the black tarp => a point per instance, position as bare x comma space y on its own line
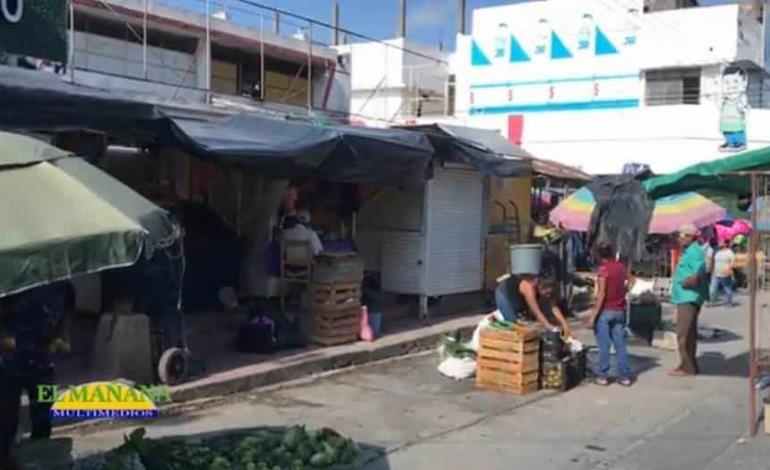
31, 100
291, 149
621, 215
484, 149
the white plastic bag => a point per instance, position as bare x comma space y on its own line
457, 368
484, 323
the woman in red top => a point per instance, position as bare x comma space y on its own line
609, 316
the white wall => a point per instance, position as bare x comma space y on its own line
666, 137
113, 56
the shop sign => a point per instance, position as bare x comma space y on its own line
34, 28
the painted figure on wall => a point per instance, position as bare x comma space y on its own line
733, 110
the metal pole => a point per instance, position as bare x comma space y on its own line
753, 309
261, 57
336, 23
461, 8
277, 24
310, 66
208, 51
71, 64
144, 41
401, 30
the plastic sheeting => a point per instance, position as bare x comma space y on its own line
486, 150
622, 215
33, 100
291, 149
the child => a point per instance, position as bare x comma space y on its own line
722, 278
609, 316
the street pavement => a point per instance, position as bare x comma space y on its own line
423, 420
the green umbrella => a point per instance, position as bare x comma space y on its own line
53, 225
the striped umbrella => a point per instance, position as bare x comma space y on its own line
574, 212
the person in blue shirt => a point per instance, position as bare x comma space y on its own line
688, 292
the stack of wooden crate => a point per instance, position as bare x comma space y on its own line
336, 310
509, 360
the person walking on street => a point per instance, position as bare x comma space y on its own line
608, 317
688, 292
722, 278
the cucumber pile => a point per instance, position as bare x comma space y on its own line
293, 449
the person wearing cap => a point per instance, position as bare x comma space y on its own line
688, 292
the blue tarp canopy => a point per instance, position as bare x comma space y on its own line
291, 149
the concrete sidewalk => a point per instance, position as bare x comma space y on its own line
243, 372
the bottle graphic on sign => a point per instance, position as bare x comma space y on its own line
502, 42
632, 29
543, 37
586, 33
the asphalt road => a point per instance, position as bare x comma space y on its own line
423, 420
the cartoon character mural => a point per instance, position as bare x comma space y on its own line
733, 110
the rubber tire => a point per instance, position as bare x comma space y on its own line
173, 366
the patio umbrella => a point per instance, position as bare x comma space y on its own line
574, 212
53, 225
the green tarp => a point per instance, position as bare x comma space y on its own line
717, 175
61, 217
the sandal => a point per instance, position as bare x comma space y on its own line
602, 382
625, 382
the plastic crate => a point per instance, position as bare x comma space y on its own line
569, 372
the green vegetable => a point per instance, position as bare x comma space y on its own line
220, 463
320, 460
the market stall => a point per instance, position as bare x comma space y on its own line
429, 240
744, 174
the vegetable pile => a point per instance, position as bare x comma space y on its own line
293, 449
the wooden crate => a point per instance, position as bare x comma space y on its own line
335, 326
331, 296
508, 361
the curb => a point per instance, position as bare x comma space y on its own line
311, 363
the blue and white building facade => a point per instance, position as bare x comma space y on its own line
600, 83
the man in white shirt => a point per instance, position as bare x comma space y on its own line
298, 229
722, 275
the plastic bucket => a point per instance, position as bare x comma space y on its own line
525, 259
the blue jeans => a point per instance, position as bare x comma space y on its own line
721, 283
504, 304
611, 328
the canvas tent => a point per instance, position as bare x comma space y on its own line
61, 217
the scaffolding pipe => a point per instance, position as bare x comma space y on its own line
71, 64
208, 51
309, 66
261, 57
144, 41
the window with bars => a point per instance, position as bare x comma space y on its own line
672, 86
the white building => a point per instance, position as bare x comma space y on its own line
395, 81
600, 83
